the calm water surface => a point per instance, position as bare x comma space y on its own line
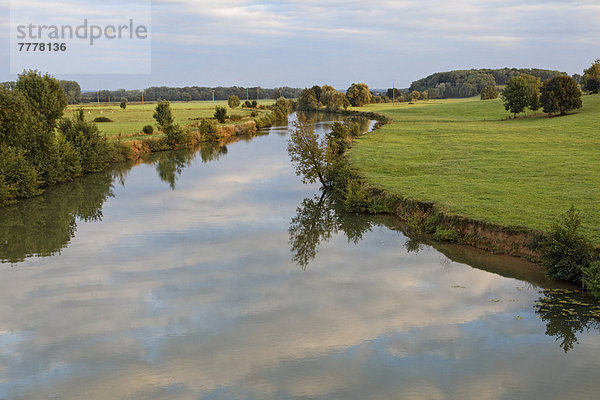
218, 275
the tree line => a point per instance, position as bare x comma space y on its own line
469, 83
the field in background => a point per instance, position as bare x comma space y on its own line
468, 159
133, 118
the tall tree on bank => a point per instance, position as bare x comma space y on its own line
561, 95
358, 94
591, 77
308, 101
308, 153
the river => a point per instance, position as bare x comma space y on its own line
217, 274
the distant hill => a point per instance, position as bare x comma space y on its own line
468, 83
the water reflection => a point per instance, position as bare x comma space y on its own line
190, 293
567, 312
315, 221
44, 225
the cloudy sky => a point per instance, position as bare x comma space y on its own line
305, 42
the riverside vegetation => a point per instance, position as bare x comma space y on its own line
460, 171
39, 147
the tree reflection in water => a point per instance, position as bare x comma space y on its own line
566, 313
316, 220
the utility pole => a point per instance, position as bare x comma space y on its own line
213, 97
247, 98
393, 92
98, 98
256, 94
142, 100
109, 101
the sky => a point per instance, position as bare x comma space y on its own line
300, 43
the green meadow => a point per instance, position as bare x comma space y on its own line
131, 120
469, 159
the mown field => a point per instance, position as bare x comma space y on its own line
131, 120
465, 156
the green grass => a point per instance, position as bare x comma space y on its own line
463, 156
133, 118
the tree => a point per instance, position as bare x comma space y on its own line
307, 152
123, 104
233, 101
489, 93
534, 85
358, 94
317, 91
333, 99
72, 91
308, 101
163, 115
220, 114
45, 96
516, 95
593, 72
592, 85
415, 95
561, 94
186, 97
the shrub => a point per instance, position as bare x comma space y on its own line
220, 114
94, 150
565, 251
102, 119
247, 104
148, 129
233, 101
356, 197
176, 136
208, 130
254, 114
18, 178
163, 115
591, 278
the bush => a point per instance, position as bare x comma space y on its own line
233, 101
220, 114
176, 136
254, 114
95, 152
565, 251
148, 129
208, 130
102, 119
591, 278
356, 197
18, 178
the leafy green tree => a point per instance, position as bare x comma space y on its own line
307, 152
45, 96
308, 101
561, 94
281, 109
592, 85
220, 114
186, 97
415, 95
333, 99
317, 91
148, 129
123, 104
534, 85
163, 115
593, 72
489, 93
233, 101
72, 91
516, 95
358, 94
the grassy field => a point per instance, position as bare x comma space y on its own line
468, 159
133, 118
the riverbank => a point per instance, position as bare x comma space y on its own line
486, 181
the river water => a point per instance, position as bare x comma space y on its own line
217, 274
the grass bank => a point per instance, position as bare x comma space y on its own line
465, 157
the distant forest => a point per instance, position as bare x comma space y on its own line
191, 93
468, 83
